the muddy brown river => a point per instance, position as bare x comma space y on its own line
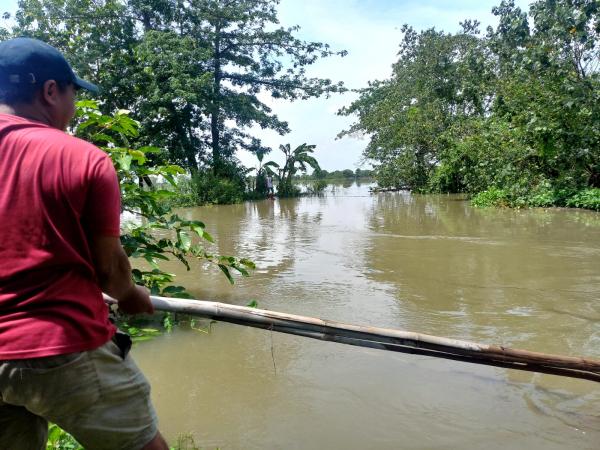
433, 264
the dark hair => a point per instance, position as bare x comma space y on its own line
24, 93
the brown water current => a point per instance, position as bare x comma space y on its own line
432, 264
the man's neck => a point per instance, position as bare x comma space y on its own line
29, 112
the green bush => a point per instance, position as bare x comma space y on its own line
588, 198
186, 195
490, 197
288, 190
209, 188
317, 187
544, 198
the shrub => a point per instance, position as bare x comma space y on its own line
490, 197
588, 198
288, 190
317, 187
210, 188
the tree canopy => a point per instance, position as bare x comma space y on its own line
189, 72
515, 109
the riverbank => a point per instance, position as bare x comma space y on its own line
546, 198
584, 199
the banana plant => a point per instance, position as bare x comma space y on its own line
298, 159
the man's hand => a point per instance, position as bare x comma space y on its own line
137, 301
114, 276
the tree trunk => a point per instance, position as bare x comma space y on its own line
215, 113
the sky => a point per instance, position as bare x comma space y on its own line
370, 31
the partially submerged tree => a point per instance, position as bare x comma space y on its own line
298, 159
515, 110
438, 78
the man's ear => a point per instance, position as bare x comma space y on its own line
50, 92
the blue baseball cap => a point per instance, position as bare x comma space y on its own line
30, 61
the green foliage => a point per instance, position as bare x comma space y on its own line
156, 234
288, 190
438, 77
588, 198
209, 188
139, 333
515, 111
490, 197
479, 154
317, 187
298, 159
542, 196
58, 439
190, 72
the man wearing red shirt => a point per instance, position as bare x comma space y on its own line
59, 250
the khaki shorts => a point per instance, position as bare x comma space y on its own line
98, 396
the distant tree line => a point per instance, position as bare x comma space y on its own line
512, 115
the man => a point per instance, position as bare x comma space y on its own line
59, 249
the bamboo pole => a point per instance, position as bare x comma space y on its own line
385, 338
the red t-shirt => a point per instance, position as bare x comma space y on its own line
55, 192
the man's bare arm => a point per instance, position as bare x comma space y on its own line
114, 275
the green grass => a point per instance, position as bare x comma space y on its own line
58, 439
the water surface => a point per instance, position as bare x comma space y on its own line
431, 264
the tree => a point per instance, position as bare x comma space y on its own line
299, 158
515, 111
172, 95
438, 79
190, 72
247, 53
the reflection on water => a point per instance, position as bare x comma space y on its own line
432, 264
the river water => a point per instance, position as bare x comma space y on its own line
522, 278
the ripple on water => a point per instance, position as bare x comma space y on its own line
527, 279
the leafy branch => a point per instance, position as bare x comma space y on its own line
155, 234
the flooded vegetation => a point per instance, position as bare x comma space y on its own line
432, 264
